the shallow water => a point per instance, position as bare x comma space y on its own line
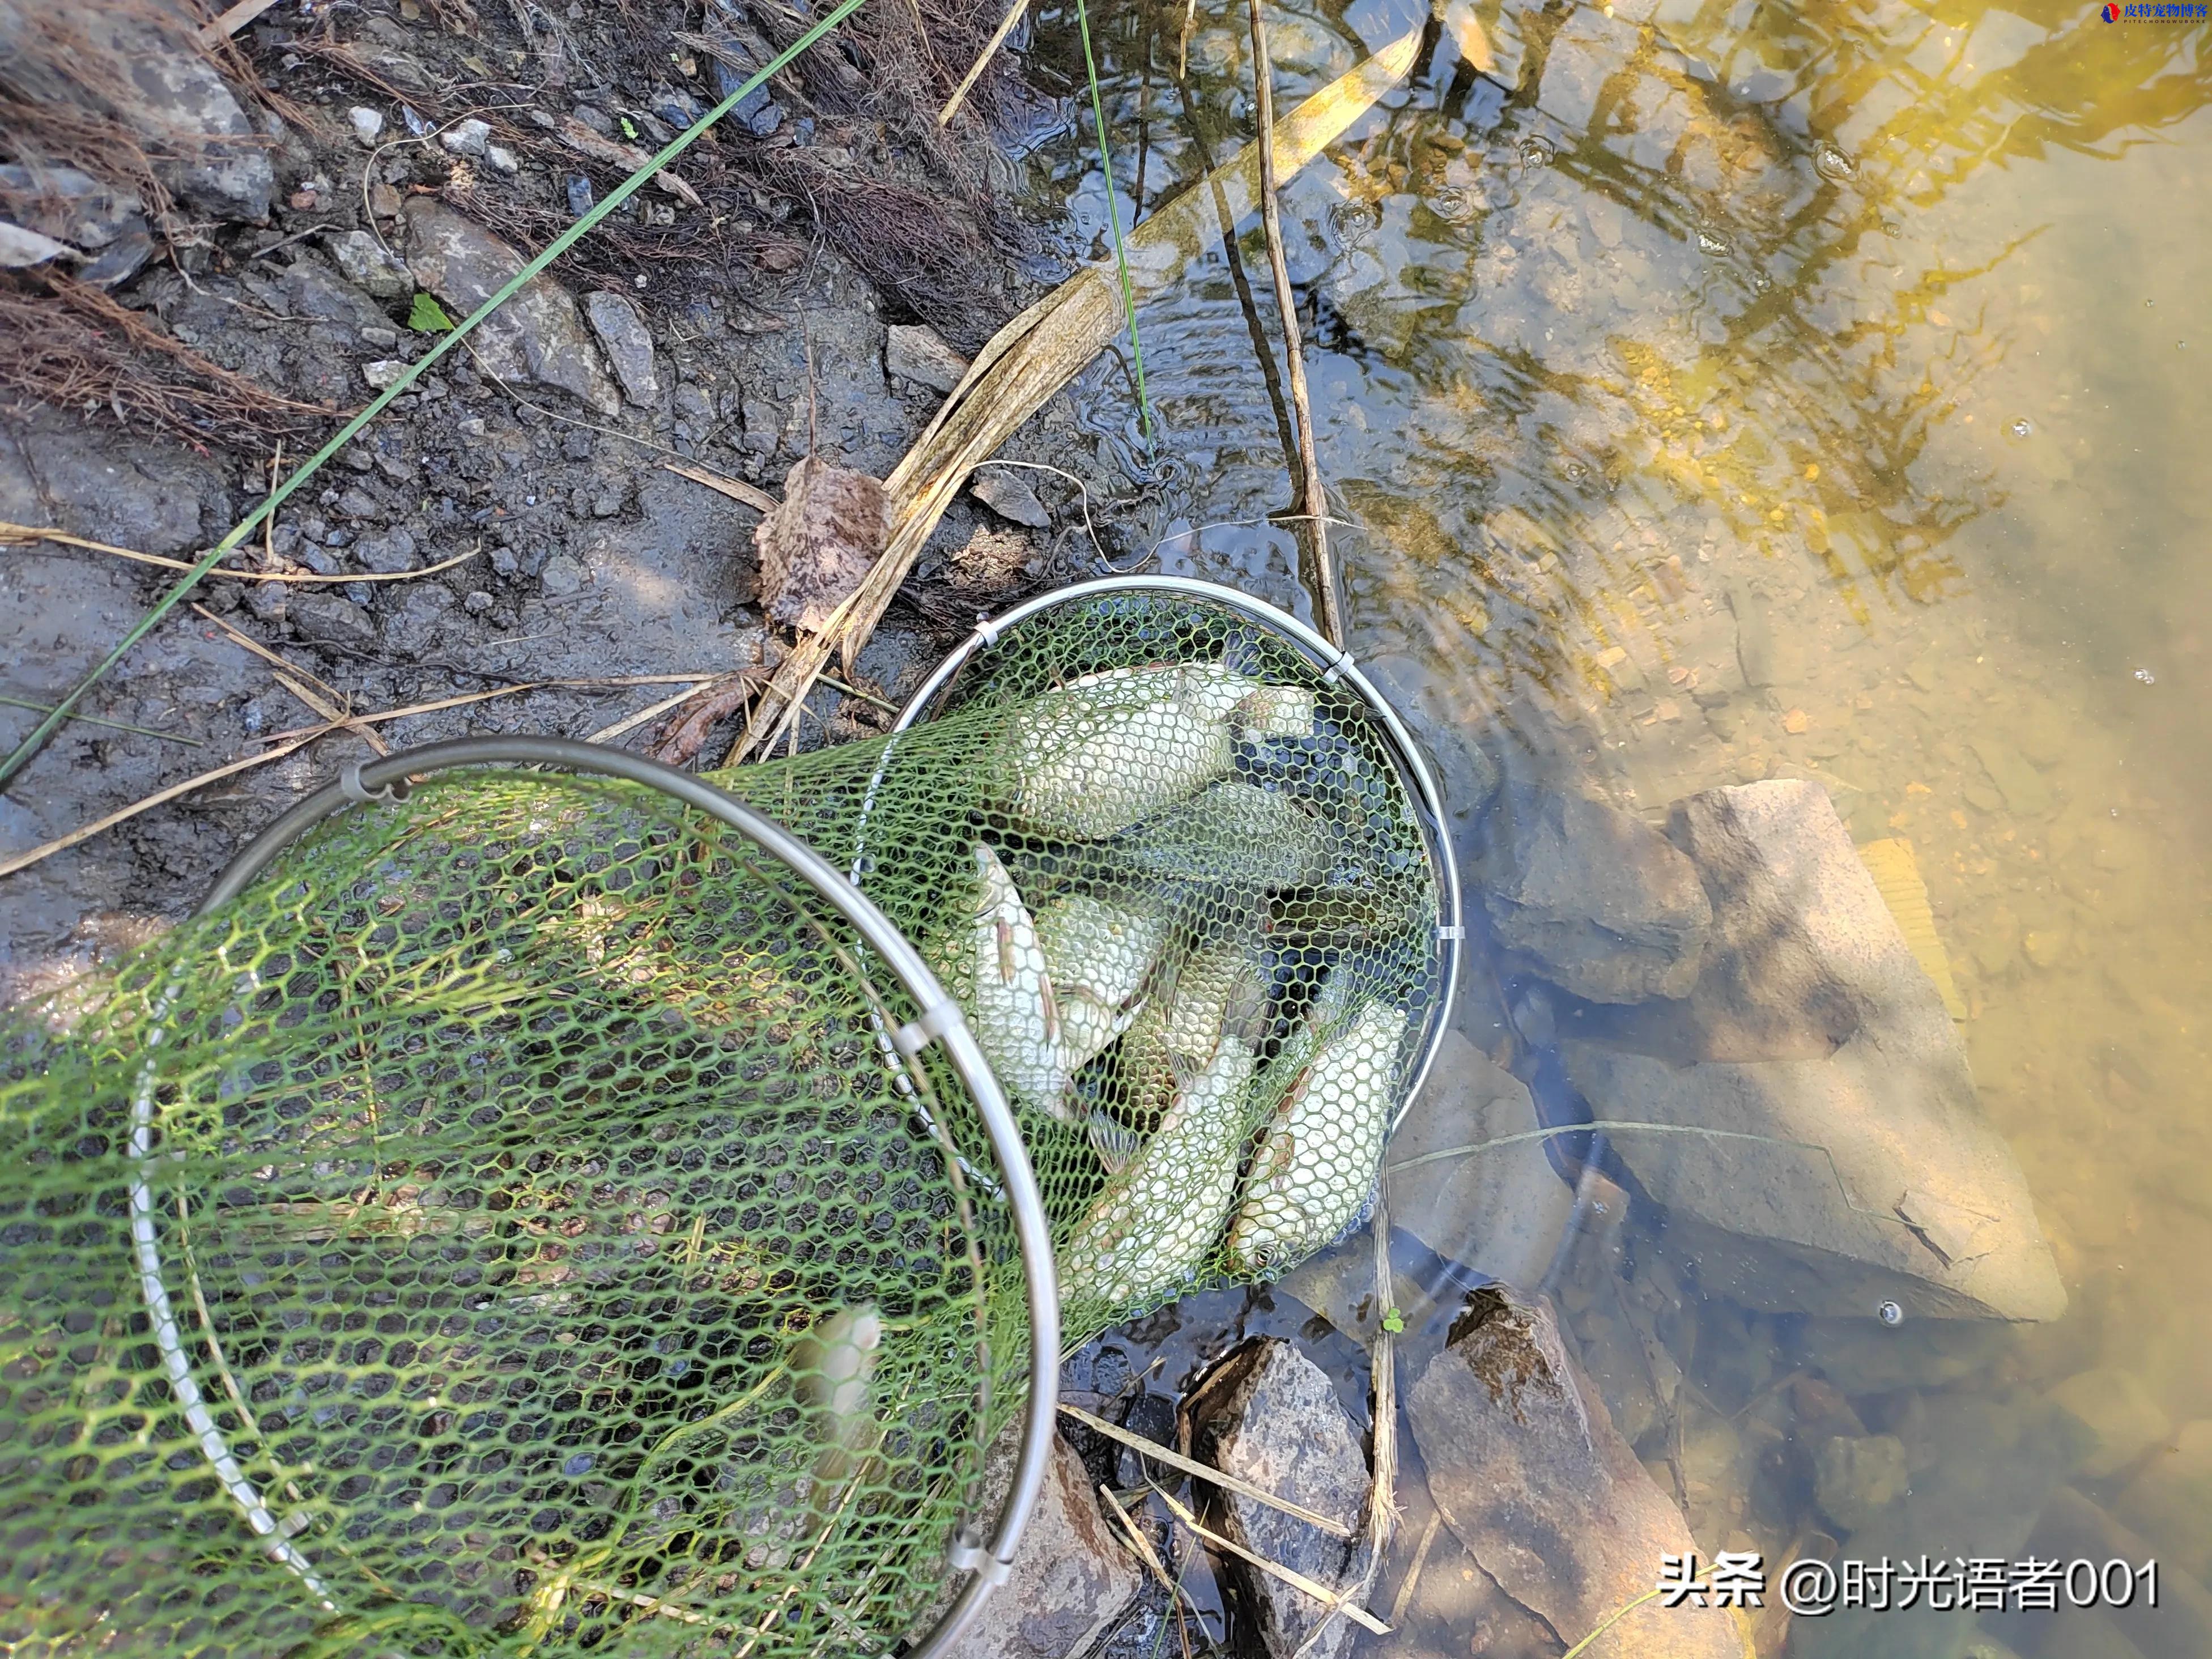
1883, 323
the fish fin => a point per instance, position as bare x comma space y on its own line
1051, 1007
1005, 932
1115, 1142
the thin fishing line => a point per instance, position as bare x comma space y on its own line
31, 745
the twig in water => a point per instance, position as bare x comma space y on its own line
1177, 1595
1616, 1126
1114, 219
1297, 1581
1612, 1618
982, 61
1312, 501
24, 532
1160, 1454
1405, 1597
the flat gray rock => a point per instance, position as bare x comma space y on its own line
362, 261
205, 148
1602, 902
1813, 1026
93, 480
629, 347
1269, 1416
1499, 1211
913, 351
535, 336
1006, 494
1531, 1475
1071, 1576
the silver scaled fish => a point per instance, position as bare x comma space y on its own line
1315, 1170
1095, 756
1149, 1232
999, 974
1097, 955
833, 1371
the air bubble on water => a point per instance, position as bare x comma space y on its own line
2146, 677
1829, 161
1536, 152
1891, 228
1762, 281
2021, 429
1890, 1314
1710, 244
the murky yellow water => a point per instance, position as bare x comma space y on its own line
1885, 323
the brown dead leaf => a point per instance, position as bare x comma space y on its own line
615, 154
820, 542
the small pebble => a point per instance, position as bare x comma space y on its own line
1796, 721
477, 602
384, 373
367, 124
467, 137
502, 158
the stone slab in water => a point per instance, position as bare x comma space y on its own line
1533, 1478
1604, 905
1811, 1026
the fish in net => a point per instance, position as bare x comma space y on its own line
508, 1224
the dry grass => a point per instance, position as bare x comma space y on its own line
74, 347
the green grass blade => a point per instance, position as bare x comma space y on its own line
560, 245
1114, 218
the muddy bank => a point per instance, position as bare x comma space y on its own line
344, 185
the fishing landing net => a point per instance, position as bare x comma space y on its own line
1185, 870
551, 1211
523, 1217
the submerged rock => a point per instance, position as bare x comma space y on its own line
535, 336
1498, 1212
1269, 1416
2122, 1421
2170, 1497
1605, 905
1071, 1578
1982, 1467
1533, 1478
1811, 1026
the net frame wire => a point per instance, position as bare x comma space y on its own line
1338, 666
386, 779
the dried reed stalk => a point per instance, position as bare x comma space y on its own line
1037, 354
1313, 501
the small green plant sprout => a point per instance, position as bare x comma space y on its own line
427, 316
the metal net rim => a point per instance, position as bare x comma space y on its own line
386, 779
1338, 666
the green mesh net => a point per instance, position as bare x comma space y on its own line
1184, 879
506, 1226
